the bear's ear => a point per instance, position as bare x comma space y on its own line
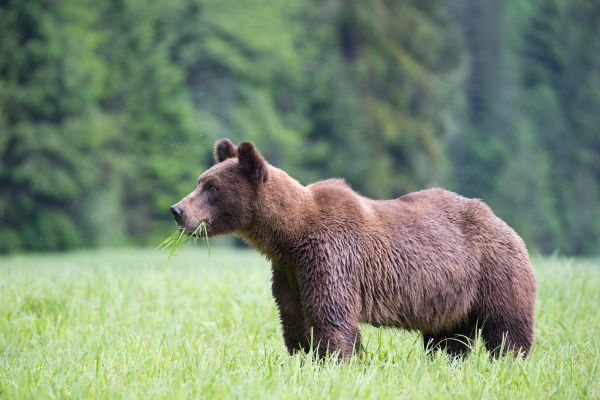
252, 162
224, 149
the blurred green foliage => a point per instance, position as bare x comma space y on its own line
108, 110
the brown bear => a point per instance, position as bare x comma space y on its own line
431, 261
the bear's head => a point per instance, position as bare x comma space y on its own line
225, 194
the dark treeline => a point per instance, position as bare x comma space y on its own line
109, 109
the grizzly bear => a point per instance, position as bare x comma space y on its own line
431, 261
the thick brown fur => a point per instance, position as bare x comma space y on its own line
431, 261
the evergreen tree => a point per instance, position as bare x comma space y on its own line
49, 86
156, 144
380, 82
486, 136
579, 94
240, 63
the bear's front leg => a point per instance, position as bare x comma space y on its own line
332, 308
293, 322
343, 340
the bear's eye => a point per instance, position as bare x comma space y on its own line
210, 188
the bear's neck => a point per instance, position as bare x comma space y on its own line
280, 214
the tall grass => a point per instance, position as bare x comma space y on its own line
115, 324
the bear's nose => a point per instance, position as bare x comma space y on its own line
177, 212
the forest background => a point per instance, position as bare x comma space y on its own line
109, 109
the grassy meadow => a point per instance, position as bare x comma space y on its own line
121, 324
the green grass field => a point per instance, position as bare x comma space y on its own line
120, 324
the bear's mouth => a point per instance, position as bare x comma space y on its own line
198, 231
186, 230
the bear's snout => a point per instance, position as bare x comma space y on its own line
177, 212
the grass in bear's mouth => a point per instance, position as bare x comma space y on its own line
179, 239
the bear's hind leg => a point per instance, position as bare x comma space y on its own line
507, 305
502, 334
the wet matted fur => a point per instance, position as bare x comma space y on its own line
431, 261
